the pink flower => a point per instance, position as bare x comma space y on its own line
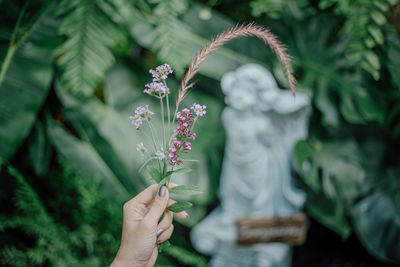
200, 110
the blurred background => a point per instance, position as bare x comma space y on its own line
72, 72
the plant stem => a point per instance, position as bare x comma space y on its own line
154, 142
6, 62
14, 44
168, 114
163, 123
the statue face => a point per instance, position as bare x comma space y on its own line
240, 98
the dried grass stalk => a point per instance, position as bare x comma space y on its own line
232, 33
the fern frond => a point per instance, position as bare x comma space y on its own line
26, 199
166, 44
10, 256
86, 53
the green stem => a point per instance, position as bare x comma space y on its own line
154, 142
169, 115
14, 44
169, 178
164, 145
6, 62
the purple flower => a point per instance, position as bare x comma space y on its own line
156, 88
141, 112
200, 110
160, 154
144, 112
141, 148
161, 73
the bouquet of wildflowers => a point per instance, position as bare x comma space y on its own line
167, 152
178, 133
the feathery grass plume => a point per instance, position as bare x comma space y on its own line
232, 33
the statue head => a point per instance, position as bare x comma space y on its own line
252, 86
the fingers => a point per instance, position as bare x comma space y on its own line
165, 235
182, 214
146, 196
165, 222
158, 207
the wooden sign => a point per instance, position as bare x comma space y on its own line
289, 230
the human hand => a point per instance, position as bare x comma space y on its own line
141, 231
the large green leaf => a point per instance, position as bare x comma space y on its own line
39, 149
84, 158
333, 177
25, 86
376, 220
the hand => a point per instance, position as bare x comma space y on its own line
141, 231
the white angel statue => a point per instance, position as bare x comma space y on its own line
262, 125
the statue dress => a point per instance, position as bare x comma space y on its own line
262, 125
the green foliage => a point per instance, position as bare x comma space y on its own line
274, 8
56, 239
333, 175
185, 189
25, 85
86, 53
180, 206
166, 13
345, 54
365, 22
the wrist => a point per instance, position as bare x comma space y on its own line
123, 259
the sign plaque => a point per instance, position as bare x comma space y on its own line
290, 230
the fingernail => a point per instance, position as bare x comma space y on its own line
159, 232
185, 214
158, 241
162, 191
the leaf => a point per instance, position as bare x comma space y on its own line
180, 206
163, 181
39, 150
379, 231
189, 35
84, 158
154, 173
86, 54
25, 87
333, 178
185, 190
181, 170
164, 245
109, 134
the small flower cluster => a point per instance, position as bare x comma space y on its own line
160, 154
141, 148
183, 134
161, 73
200, 110
185, 122
141, 113
156, 89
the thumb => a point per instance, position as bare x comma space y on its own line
158, 207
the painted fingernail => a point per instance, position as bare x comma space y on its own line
159, 232
162, 191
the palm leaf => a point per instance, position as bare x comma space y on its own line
86, 54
